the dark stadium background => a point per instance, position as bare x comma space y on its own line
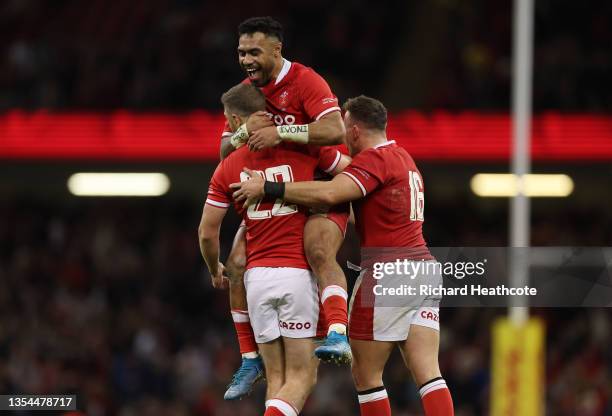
109, 298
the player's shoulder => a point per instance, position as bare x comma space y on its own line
397, 156
236, 158
298, 67
379, 155
304, 74
388, 147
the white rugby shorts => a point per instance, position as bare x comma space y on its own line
283, 301
382, 318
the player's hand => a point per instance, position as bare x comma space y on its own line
219, 280
258, 120
263, 138
250, 191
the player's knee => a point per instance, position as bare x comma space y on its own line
319, 256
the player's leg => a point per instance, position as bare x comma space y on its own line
420, 352
274, 360
300, 378
369, 359
234, 267
323, 238
251, 368
298, 314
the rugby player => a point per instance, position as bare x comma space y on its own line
282, 293
300, 108
387, 193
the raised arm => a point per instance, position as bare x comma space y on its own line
231, 141
328, 130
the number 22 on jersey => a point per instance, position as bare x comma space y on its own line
281, 173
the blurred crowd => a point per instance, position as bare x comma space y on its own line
180, 54
167, 54
572, 65
110, 300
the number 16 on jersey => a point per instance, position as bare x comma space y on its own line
417, 198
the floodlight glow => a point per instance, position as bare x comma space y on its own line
118, 184
531, 185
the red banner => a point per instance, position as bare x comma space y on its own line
121, 135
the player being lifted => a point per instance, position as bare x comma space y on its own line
387, 193
282, 293
304, 111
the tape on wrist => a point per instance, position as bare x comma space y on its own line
297, 133
240, 136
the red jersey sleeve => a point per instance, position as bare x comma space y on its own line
218, 189
317, 98
367, 170
328, 159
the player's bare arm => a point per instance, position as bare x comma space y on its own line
342, 164
208, 233
313, 193
327, 131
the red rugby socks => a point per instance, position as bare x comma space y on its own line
374, 402
246, 338
334, 299
279, 407
436, 398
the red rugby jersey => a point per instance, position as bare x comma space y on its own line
275, 229
298, 95
391, 212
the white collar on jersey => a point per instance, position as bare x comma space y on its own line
284, 71
388, 142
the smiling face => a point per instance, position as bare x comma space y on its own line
259, 56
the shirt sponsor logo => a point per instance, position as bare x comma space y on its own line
279, 120
329, 100
431, 316
295, 325
294, 129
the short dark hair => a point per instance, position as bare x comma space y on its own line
244, 99
264, 24
369, 111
